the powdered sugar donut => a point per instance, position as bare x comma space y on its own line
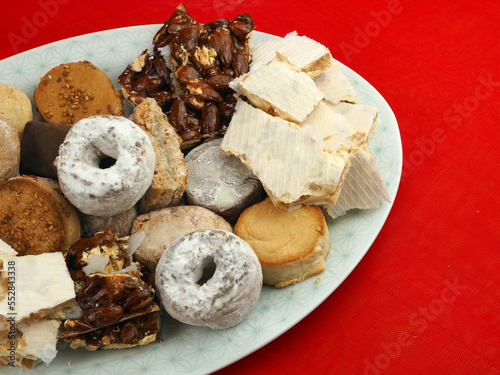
105, 165
227, 297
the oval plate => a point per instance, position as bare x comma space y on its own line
195, 350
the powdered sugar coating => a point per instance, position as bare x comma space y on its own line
10, 151
227, 297
220, 182
105, 191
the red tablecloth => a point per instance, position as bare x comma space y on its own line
425, 299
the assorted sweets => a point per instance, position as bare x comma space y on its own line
134, 216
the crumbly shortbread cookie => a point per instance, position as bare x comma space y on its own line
291, 246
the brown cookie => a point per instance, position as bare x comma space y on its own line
35, 217
70, 92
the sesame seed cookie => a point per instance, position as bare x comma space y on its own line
70, 92
35, 217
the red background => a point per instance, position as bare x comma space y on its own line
396, 313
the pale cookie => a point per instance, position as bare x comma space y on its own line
291, 245
162, 227
15, 107
220, 182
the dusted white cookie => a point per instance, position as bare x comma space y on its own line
227, 297
105, 191
220, 182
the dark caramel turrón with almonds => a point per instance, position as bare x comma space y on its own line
105, 244
189, 71
108, 299
118, 307
137, 331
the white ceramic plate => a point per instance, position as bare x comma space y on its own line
194, 350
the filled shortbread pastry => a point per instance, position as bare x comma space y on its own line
291, 246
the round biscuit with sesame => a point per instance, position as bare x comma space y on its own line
72, 91
35, 217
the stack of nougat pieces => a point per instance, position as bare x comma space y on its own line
299, 128
36, 293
